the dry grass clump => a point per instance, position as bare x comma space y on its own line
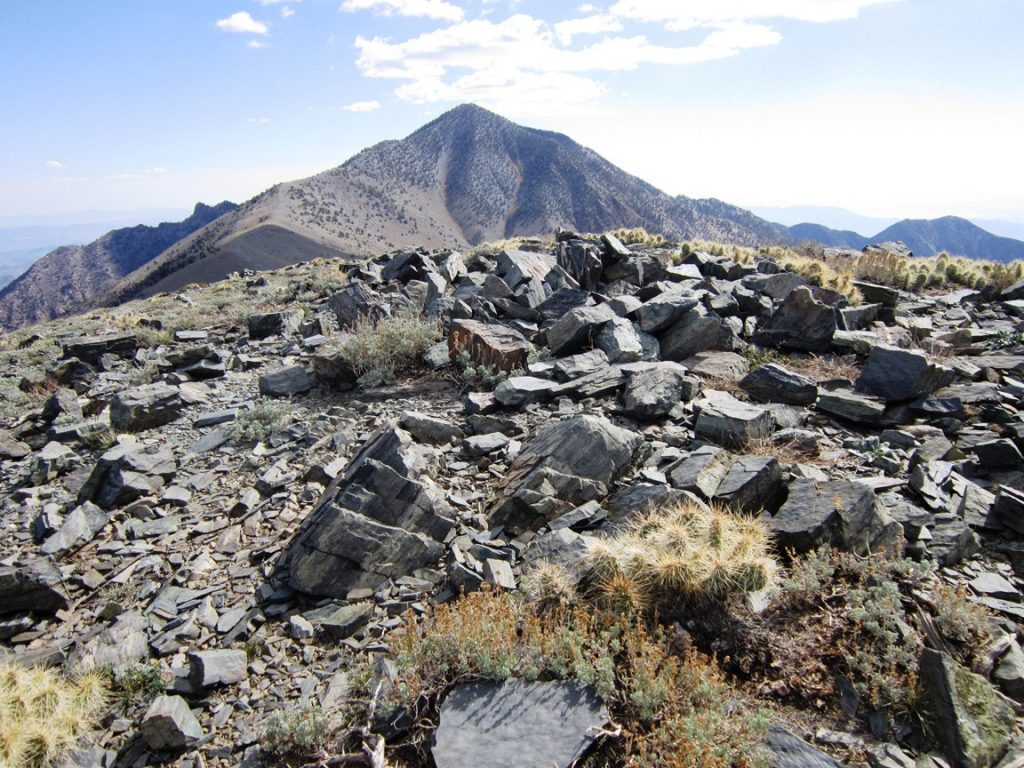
819, 368
639, 236
832, 273
43, 715
687, 552
379, 349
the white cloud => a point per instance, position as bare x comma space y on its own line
53, 165
363, 106
519, 61
258, 120
588, 8
243, 22
709, 13
431, 9
287, 11
588, 25
257, 44
276, 2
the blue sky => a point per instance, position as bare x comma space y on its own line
886, 107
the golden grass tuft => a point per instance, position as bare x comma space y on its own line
43, 714
687, 552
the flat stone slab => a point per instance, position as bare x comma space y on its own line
517, 724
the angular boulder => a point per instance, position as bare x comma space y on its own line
33, 586
287, 381
263, 325
169, 724
973, 725
895, 374
561, 466
90, 349
126, 472
837, 513
730, 422
653, 392
772, 383
695, 331
492, 344
800, 323
145, 407
381, 518
578, 329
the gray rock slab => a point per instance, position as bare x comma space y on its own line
578, 328
895, 374
517, 724
145, 407
970, 721
219, 667
33, 586
169, 724
730, 422
653, 392
789, 751
851, 406
801, 323
287, 381
773, 383
839, 513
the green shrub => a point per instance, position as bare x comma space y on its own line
138, 684
380, 349
294, 732
262, 419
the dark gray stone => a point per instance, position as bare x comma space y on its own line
838, 513
801, 323
33, 586
578, 329
219, 667
772, 383
126, 472
663, 310
730, 422
851, 406
575, 366
619, 341
695, 331
517, 723
653, 392
752, 484
79, 527
576, 459
262, 325
341, 621
789, 751
895, 374
430, 429
382, 518
522, 390
169, 724
145, 407
973, 725
90, 349
285, 382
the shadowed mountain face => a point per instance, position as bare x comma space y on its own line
925, 237
468, 177
70, 277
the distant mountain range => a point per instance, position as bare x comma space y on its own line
925, 237
70, 277
468, 177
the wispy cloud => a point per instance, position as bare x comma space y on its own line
525, 60
243, 22
362, 106
702, 13
287, 12
53, 165
257, 44
520, 61
441, 10
588, 25
258, 120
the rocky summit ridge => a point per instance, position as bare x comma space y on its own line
150, 523
468, 177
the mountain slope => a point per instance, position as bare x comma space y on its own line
69, 277
925, 237
467, 177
